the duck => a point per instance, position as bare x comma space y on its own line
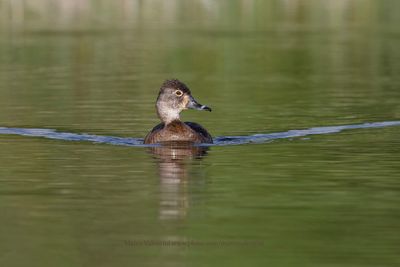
173, 98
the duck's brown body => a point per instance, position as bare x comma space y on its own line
178, 131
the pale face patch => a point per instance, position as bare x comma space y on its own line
185, 101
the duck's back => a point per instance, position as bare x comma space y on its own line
178, 131
200, 130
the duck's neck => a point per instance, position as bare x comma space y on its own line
168, 115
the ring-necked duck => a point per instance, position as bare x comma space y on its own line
174, 97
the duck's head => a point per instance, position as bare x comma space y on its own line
174, 97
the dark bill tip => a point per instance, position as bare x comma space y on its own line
205, 108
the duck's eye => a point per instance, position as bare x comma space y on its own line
178, 92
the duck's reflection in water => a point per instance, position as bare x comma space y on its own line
175, 161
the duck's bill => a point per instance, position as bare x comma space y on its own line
193, 104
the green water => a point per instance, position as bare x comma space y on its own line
262, 66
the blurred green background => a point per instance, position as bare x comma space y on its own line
263, 66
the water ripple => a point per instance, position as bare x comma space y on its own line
218, 141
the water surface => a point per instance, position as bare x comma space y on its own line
310, 91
